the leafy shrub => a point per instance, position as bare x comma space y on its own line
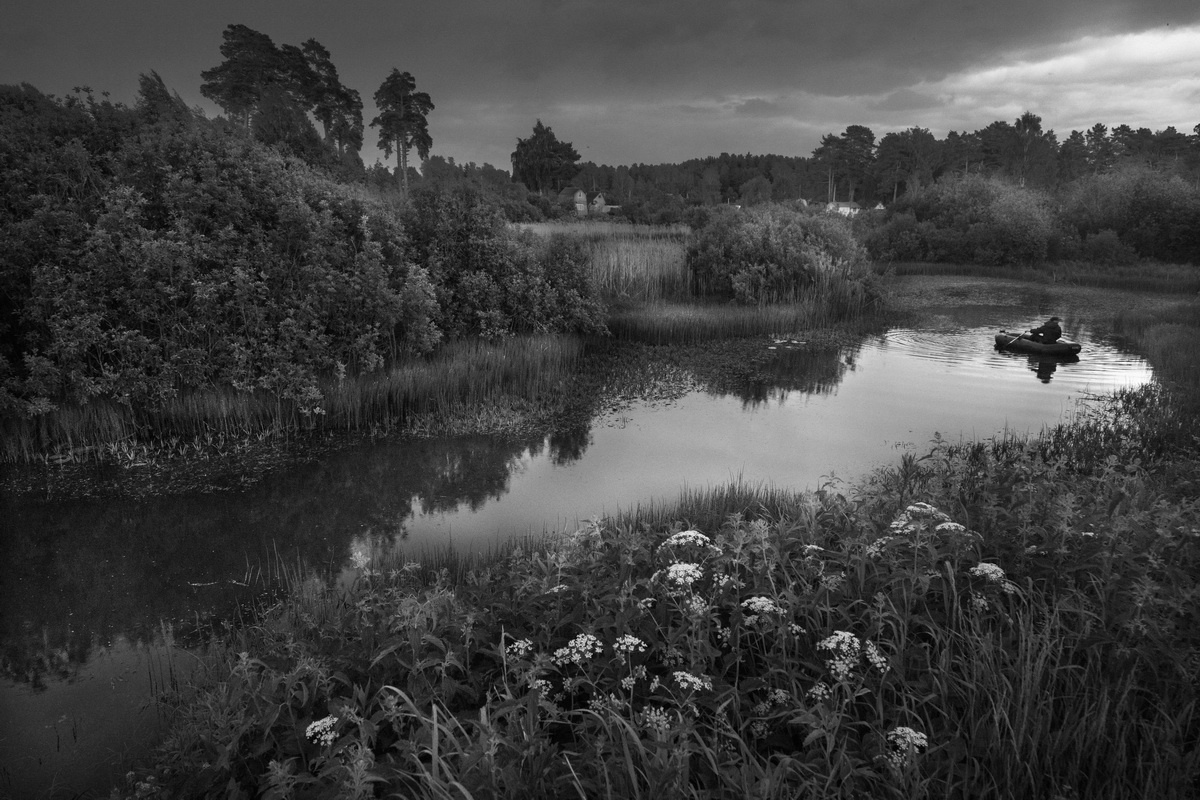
492, 281
1106, 247
967, 219
770, 254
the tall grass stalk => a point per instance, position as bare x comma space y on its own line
461, 374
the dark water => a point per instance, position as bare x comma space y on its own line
91, 589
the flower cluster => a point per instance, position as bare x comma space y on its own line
875, 548
990, 572
877, 659
905, 743
322, 731
689, 681
656, 720
832, 581
845, 650
629, 644
761, 605
819, 691
519, 648
693, 538
683, 574
916, 516
578, 650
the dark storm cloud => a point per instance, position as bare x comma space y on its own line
628, 79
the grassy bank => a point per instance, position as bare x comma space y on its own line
1149, 277
471, 374
1010, 619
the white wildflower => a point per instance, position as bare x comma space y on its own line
950, 527
690, 538
978, 602
845, 651
877, 659
832, 581
759, 729
812, 549
322, 731
629, 644
689, 681
683, 574
519, 648
656, 720
762, 605
580, 649
796, 629
905, 744
819, 692
993, 573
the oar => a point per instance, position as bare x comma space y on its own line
1013, 339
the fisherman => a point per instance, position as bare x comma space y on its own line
1048, 333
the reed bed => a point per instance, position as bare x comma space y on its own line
667, 323
469, 373
605, 229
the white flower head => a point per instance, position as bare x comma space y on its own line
580, 649
629, 644
322, 731
519, 648
689, 681
992, 573
845, 651
692, 539
683, 574
761, 605
905, 743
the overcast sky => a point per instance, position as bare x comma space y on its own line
656, 81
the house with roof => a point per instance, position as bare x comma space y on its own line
584, 203
846, 209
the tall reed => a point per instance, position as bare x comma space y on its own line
465, 373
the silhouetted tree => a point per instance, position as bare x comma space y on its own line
543, 162
402, 120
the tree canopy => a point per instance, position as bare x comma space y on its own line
402, 120
542, 162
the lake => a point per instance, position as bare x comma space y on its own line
93, 589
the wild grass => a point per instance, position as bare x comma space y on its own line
995, 620
667, 322
1144, 276
465, 374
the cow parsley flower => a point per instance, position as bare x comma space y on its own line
762, 605
683, 574
905, 743
578, 650
656, 720
819, 692
690, 538
689, 681
845, 650
993, 573
629, 644
322, 731
519, 648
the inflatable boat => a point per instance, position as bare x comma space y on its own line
1021, 342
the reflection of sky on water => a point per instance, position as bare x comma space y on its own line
898, 390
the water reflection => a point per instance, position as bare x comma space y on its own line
1045, 366
795, 368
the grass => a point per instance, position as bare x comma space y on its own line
1028, 620
1149, 276
470, 374
1013, 618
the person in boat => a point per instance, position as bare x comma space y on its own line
1048, 333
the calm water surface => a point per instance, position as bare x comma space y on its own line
87, 585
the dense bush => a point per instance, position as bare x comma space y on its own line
773, 253
148, 252
491, 280
971, 219
1156, 215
